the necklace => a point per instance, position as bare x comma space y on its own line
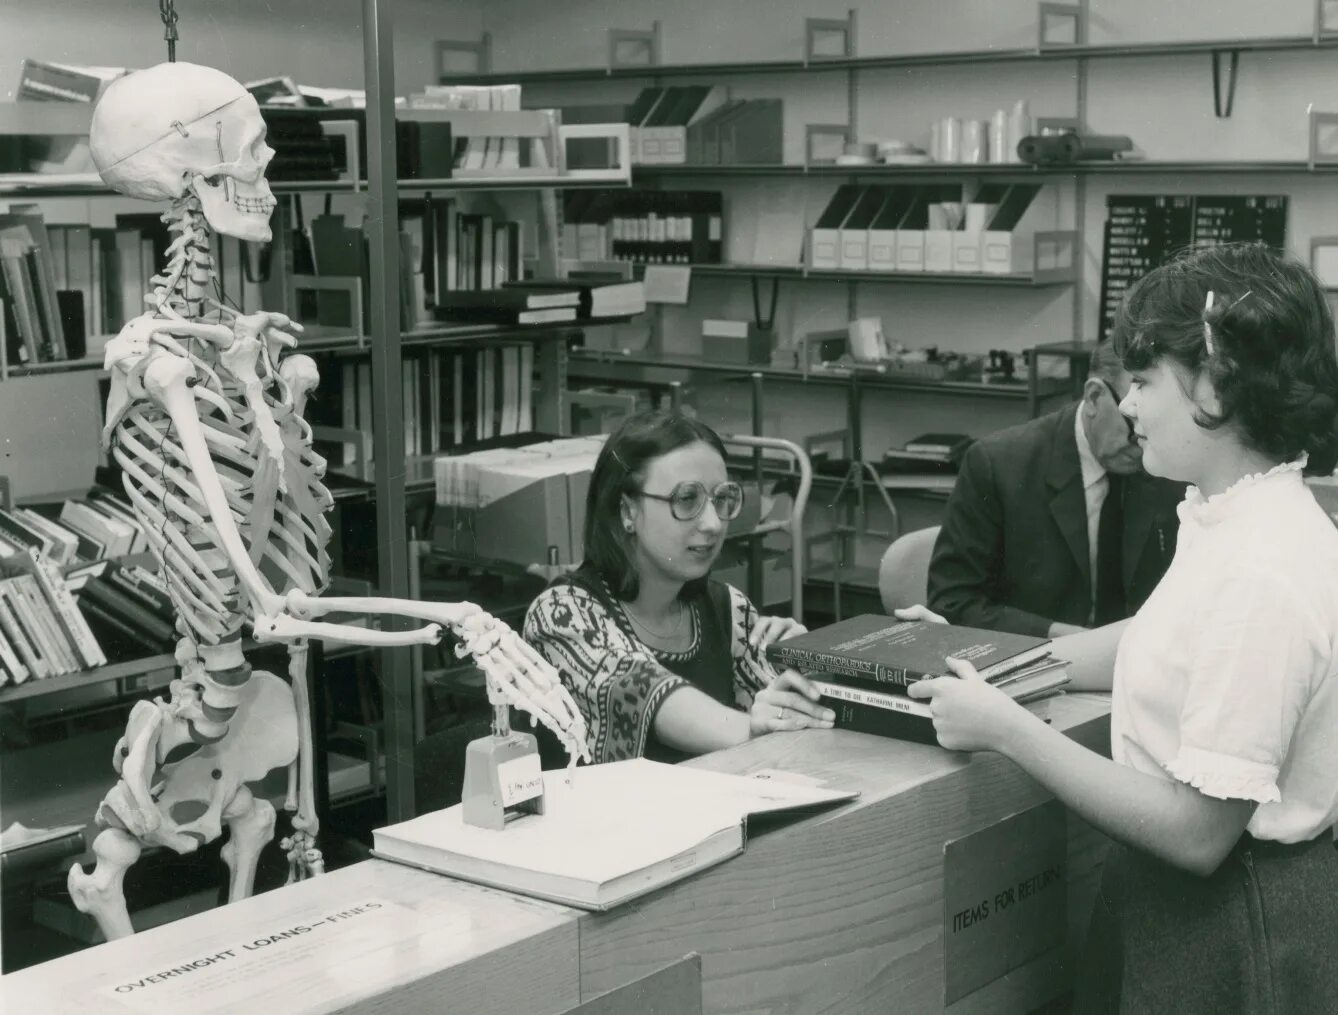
662, 635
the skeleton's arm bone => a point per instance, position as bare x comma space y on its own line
281, 627
447, 614
165, 379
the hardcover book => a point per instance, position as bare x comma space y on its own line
884, 650
614, 832
887, 714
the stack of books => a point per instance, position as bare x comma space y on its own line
864, 665
507, 306
931, 452
127, 604
594, 299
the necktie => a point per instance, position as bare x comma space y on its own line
1109, 539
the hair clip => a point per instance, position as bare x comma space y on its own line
619, 459
1208, 328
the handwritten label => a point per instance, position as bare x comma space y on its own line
1005, 897
521, 779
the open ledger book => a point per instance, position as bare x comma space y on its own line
618, 831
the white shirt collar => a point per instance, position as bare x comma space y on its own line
1211, 510
1092, 470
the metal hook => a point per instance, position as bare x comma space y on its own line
1224, 111
167, 10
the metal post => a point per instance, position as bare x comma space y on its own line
756, 563
388, 432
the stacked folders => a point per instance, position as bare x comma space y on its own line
522, 505
864, 665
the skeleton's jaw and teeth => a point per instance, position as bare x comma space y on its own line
235, 206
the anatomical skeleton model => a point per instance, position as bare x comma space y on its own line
205, 420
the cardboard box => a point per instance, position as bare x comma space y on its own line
521, 505
967, 245
664, 136
855, 230
824, 245
741, 342
883, 230
1008, 244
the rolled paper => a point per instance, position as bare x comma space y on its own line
1000, 150
950, 140
1019, 125
975, 141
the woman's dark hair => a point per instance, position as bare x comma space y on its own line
621, 469
1266, 343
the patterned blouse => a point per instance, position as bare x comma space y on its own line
619, 682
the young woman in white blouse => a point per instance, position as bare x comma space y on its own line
1221, 894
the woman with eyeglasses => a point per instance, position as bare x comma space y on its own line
663, 661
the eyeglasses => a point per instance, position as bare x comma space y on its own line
688, 500
1117, 399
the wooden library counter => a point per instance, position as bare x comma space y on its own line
953, 882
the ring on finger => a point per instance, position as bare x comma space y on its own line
782, 712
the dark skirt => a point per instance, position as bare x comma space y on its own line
1258, 936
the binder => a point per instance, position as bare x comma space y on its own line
707, 126
755, 135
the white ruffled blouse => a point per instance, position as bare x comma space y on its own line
1227, 678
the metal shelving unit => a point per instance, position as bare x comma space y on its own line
800, 273
957, 170
662, 371
1314, 42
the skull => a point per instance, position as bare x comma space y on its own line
179, 127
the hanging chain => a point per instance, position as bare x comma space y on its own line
167, 10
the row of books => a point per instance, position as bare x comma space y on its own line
863, 667
62, 285
648, 227
926, 227
701, 125
543, 301
42, 632
450, 397
499, 154
83, 589
100, 526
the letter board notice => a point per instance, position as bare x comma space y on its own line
1005, 897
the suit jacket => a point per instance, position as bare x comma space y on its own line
1012, 554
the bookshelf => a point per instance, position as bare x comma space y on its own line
1169, 110
385, 342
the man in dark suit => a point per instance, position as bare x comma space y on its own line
1053, 526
